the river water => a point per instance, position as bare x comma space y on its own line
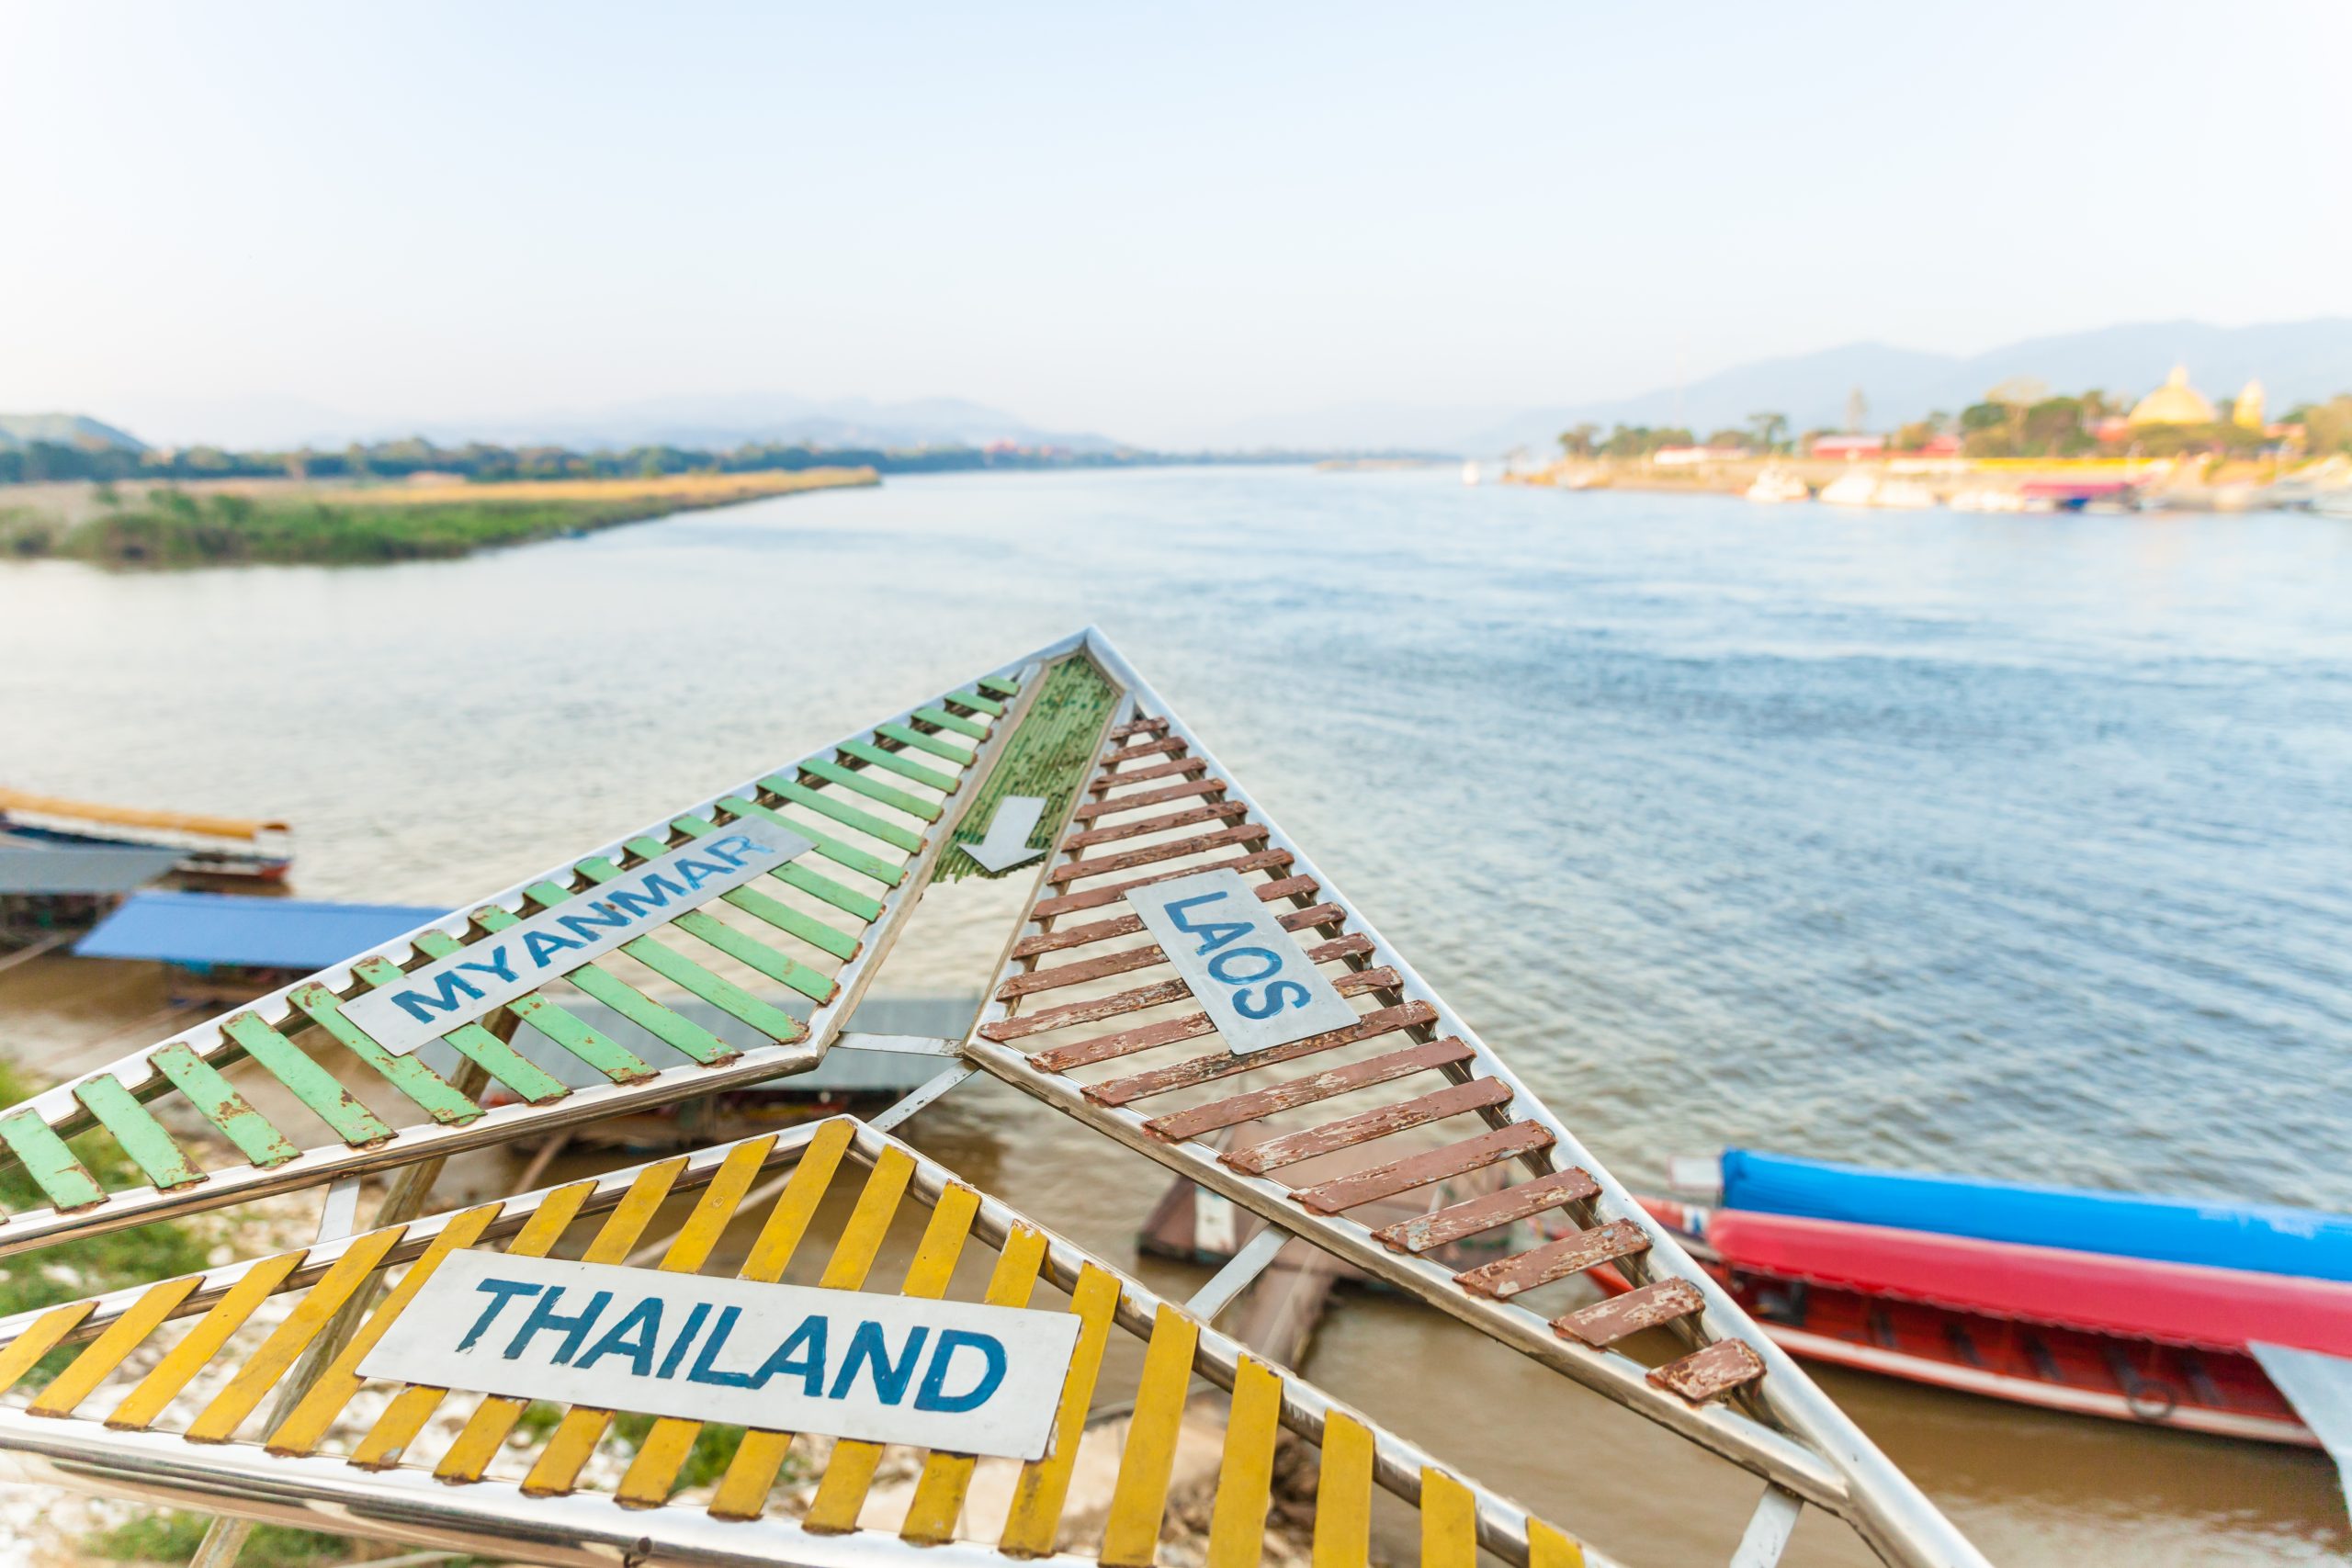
2014, 846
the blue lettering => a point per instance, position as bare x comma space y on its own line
653, 894
698, 871
744, 849
685, 1339
497, 964
808, 1339
539, 944
867, 1348
703, 1371
573, 1329
1297, 997
447, 988
645, 1318
501, 1292
1176, 910
934, 1395
1218, 934
584, 927
1221, 965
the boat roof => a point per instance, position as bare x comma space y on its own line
29, 866
26, 803
228, 928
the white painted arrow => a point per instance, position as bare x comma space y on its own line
1006, 843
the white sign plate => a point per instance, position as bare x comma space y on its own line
948, 1375
429, 1002
1249, 974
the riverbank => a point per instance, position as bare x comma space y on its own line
2191, 484
282, 523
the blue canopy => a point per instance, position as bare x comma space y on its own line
227, 928
2258, 1237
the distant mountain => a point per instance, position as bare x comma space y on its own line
2295, 361
64, 430
733, 421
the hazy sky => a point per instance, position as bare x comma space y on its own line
1147, 221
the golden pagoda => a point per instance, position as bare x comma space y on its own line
2248, 410
2174, 402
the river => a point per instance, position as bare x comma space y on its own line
2014, 846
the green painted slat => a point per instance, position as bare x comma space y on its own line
534, 1083
679, 970
609, 1057
142, 1136
704, 926
49, 1162
908, 735
308, 1082
818, 885
840, 811
998, 684
222, 1106
946, 720
978, 703
784, 917
865, 784
434, 1094
899, 765
834, 849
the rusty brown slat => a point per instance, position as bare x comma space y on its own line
1424, 1233
1139, 726
1605, 1322
1166, 745
1103, 1047
1141, 775
1221, 810
1178, 1125
1218, 1065
1093, 808
1506, 1277
1420, 1169
1110, 893
1364, 1127
1103, 866
1086, 969
1130, 925
1705, 1374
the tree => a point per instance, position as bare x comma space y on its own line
1729, 437
1772, 429
1576, 440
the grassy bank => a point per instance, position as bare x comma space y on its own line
352, 525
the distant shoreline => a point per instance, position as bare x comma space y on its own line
235, 523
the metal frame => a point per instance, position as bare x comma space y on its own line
229, 1184
593, 1531
1823, 1458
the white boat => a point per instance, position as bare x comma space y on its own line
2334, 502
1906, 493
1857, 488
1775, 485
1469, 473
1987, 501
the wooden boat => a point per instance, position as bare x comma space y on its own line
2165, 1334
209, 846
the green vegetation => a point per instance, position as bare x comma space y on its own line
1048, 757
174, 1534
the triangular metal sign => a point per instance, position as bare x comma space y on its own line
1085, 1016
180, 1395
333, 1078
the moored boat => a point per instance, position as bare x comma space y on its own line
1775, 484
2158, 1310
209, 846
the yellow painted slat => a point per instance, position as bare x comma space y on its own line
412, 1407
303, 1427
1245, 1481
743, 1492
219, 1421
39, 1340
487, 1428
1343, 1495
183, 1360
1035, 1517
653, 1470
1139, 1500
849, 1474
582, 1427
939, 1495
103, 1354
1550, 1547
1449, 1521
